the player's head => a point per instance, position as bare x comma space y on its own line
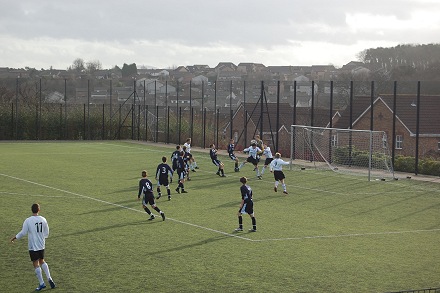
182, 154
257, 136
35, 208
164, 159
277, 155
254, 145
243, 180
188, 139
144, 173
212, 145
177, 147
231, 140
184, 148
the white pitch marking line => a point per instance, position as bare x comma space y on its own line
121, 206
347, 235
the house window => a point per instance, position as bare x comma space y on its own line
334, 140
399, 142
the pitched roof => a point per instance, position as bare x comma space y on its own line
286, 111
406, 111
429, 119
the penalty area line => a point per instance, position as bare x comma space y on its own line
346, 235
121, 206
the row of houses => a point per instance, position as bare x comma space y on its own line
223, 71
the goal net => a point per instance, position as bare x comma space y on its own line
357, 152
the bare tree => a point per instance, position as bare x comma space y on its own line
78, 65
93, 66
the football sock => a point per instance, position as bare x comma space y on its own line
223, 172
284, 187
39, 275
262, 170
168, 190
158, 190
240, 222
276, 183
236, 165
254, 223
147, 210
241, 165
45, 268
157, 209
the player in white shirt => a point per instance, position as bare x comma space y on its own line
37, 229
192, 162
254, 152
276, 166
269, 157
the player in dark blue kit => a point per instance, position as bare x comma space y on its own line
162, 172
186, 160
216, 161
246, 206
146, 188
231, 149
174, 157
181, 172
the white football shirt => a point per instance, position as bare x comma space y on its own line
277, 164
188, 147
37, 229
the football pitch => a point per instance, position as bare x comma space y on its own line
332, 233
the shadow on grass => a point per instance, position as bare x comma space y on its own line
105, 228
192, 245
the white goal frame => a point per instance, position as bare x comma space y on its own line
352, 151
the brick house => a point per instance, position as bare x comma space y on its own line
406, 121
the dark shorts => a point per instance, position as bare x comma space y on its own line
181, 174
252, 160
216, 162
267, 161
233, 157
248, 208
36, 255
163, 181
148, 199
278, 175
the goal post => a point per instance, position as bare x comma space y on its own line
351, 151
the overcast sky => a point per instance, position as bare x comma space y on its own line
166, 34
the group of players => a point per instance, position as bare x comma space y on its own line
183, 162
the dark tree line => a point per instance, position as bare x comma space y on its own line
406, 61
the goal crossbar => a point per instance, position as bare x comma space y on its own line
353, 151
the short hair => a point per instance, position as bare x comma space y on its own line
177, 147
144, 173
35, 208
184, 147
277, 155
253, 144
243, 180
211, 145
188, 139
164, 159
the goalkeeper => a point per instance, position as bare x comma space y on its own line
276, 167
